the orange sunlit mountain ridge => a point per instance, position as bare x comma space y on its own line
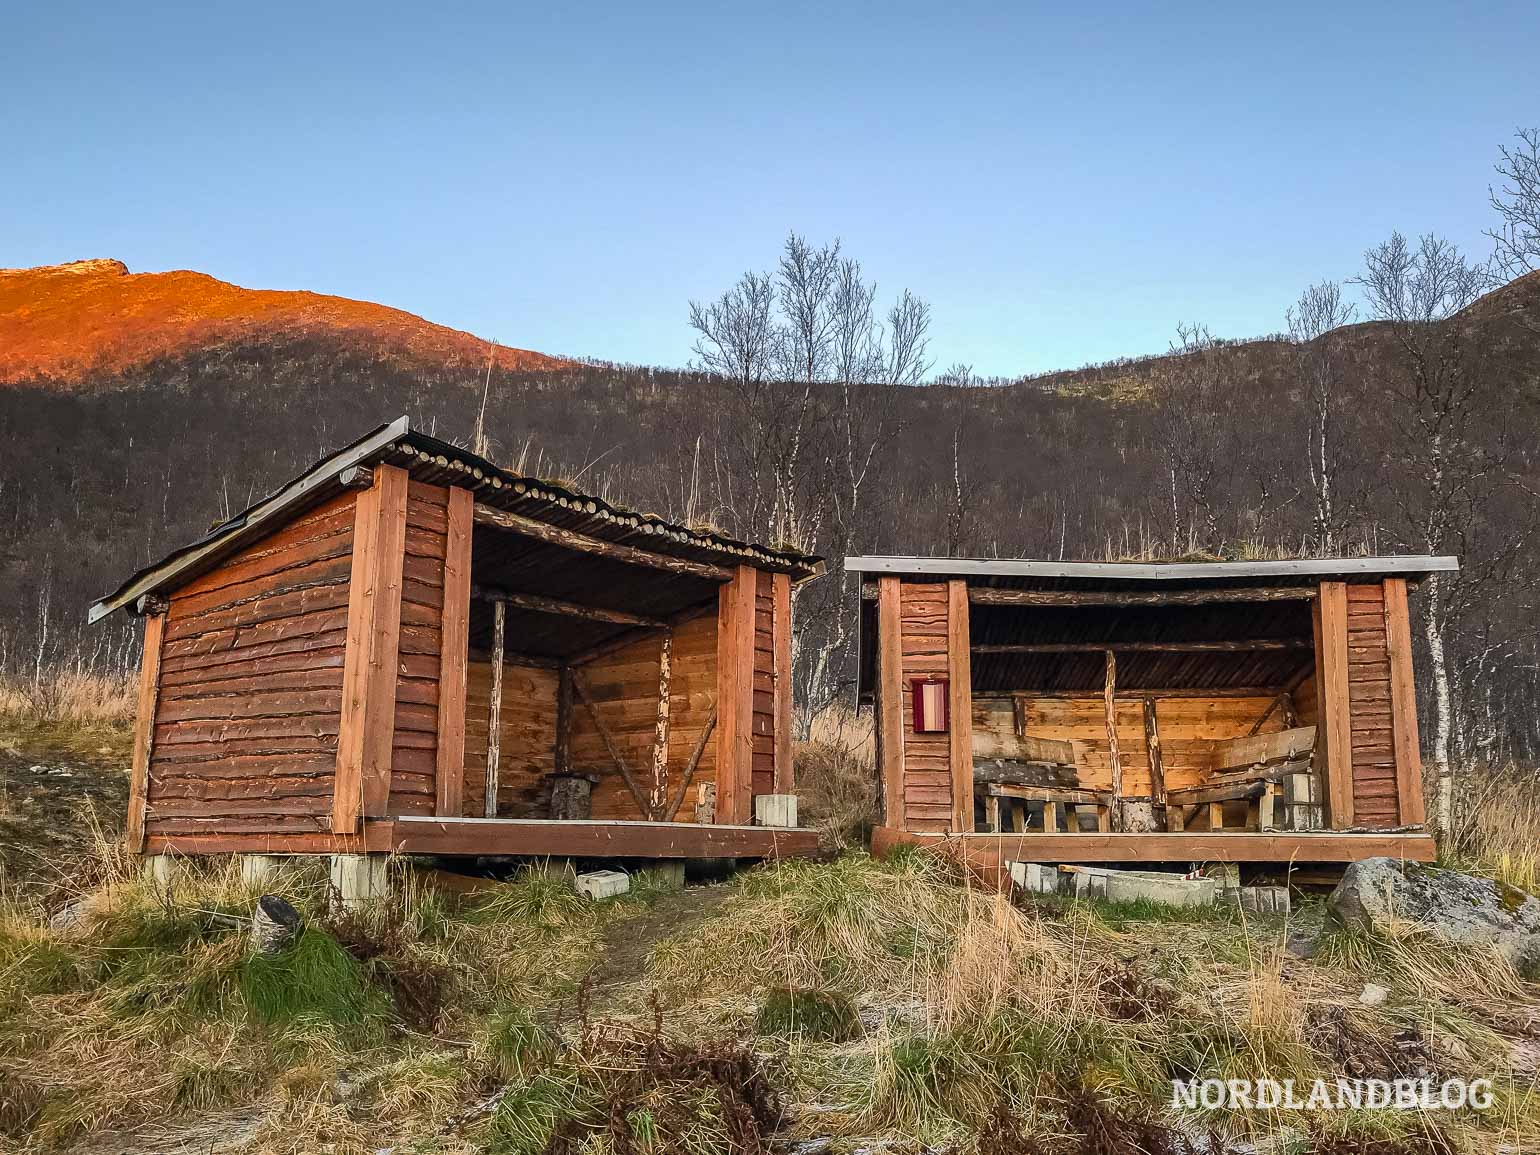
62, 324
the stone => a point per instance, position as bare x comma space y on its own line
571, 796
599, 884
1136, 885
1373, 994
158, 870
260, 869
1034, 878
275, 924
1382, 894
775, 810
359, 879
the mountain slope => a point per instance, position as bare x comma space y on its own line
62, 324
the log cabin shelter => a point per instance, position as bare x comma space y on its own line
1068, 712
407, 649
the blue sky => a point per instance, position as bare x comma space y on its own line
1064, 183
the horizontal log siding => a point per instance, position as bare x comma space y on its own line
527, 749
245, 735
764, 684
923, 610
1188, 727
624, 686
414, 754
1369, 716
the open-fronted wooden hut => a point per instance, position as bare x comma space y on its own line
1125, 712
408, 649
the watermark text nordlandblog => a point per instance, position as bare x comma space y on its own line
1333, 1095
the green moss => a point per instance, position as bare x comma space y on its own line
826, 1016
314, 978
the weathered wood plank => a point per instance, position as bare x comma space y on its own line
1334, 709
144, 732
570, 539
587, 839
454, 653
960, 704
890, 699
1403, 703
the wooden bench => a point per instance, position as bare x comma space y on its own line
1037, 772
1002, 799
1253, 769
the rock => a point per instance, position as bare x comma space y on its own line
75, 920
275, 924
1373, 994
1379, 893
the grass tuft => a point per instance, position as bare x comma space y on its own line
315, 979
825, 1016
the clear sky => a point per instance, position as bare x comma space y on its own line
1063, 182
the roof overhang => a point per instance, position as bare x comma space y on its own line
1320, 569
440, 462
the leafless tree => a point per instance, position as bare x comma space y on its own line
1195, 413
1517, 203
1437, 409
1319, 310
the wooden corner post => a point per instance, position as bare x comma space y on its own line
369, 665
1403, 704
735, 697
454, 654
144, 731
890, 701
780, 630
959, 708
1334, 747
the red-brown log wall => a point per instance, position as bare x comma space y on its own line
245, 734
1374, 755
415, 745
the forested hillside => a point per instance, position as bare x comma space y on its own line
1420, 437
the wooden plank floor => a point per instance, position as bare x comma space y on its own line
1317, 846
587, 839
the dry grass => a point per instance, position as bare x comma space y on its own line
64, 696
977, 1016
837, 777
1499, 825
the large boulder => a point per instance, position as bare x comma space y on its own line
1380, 893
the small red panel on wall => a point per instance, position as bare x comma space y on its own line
929, 705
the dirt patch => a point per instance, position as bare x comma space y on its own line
49, 795
629, 941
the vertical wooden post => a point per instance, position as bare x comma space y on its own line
454, 654
495, 710
366, 730
1334, 721
658, 800
1114, 756
735, 697
1157, 762
890, 701
144, 731
960, 704
561, 755
780, 631
1403, 703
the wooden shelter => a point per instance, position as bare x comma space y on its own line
1129, 712
407, 649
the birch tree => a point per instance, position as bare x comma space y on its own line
1319, 310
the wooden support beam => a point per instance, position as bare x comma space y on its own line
584, 543
454, 655
735, 696
1225, 846
561, 755
366, 730
1154, 692
580, 688
588, 839
780, 633
990, 596
659, 797
495, 712
556, 606
890, 701
1334, 720
1114, 756
1403, 704
1157, 763
144, 732
1220, 647
690, 766
959, 705
623, 639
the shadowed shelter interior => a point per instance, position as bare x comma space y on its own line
1256, 711
407, 648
